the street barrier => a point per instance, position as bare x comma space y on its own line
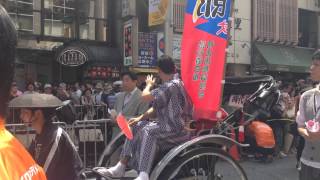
89, 136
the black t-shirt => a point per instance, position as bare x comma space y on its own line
66, 163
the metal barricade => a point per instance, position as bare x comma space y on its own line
91, 138
22, 132
82, 112
91, 112
13, 116
25, 133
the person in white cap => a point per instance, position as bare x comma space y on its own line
47, 89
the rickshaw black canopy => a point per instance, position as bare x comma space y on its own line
244, 85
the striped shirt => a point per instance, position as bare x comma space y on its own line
171, 104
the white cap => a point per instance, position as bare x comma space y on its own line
47, 86
63, 85
117, 83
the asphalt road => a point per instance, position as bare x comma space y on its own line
279, 169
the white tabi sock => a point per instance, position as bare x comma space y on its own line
142, 176
117, 171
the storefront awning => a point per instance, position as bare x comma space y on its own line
281, 58
79, 53
143, 70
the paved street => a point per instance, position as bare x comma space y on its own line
280, 169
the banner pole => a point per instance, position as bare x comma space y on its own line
226, 57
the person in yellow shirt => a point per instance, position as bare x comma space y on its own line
15, 161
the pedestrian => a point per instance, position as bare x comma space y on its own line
14, 92
107, 91
98, 93
309, 109
52, 147
37, 87
30, 88
168, 130
87, 100
290, 115
299, 139
129, 102
82, 88
74, 95
62, 93
15, 161
78, 90
112, 97
47, 89
89, 86
99, 106
117, 87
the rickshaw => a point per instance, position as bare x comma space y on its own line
205, 155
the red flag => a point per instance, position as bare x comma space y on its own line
204, 46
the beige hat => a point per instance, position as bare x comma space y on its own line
99, 86
35, 100
117, 83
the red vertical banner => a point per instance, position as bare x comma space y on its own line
203, 53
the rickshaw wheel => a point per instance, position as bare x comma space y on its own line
205, 163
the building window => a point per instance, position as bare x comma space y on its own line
70, 19
93, 23
178, 14
59, 18
308, 29
275, 21
22, 13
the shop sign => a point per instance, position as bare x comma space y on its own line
176, 46
128, 8
160, 44
157, 11
72, 57
237, 100
147, 52
102, 72
127, 38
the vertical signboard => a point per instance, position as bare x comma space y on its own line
160, 44
127, 44
203, 52
176, 46
128, 8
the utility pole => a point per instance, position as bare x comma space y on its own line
168, 30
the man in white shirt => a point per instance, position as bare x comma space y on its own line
98, 93
129, 102
78, 90
309, 110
